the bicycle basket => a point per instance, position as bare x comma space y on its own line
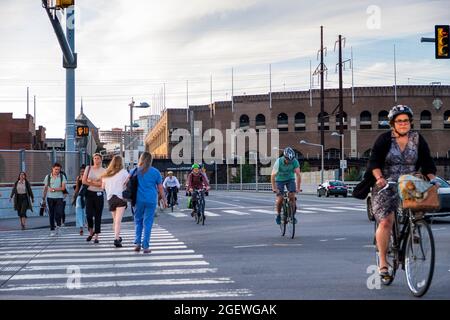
417, 194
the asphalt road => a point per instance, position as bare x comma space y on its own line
237, 254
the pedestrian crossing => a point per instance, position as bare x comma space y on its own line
243, 211
68, 267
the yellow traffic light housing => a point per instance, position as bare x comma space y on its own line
62, 4
441, 41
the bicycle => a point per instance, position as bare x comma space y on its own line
171, 202
287, 216
411, 245
199, 206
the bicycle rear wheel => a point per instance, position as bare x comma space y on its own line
202, 211
419, 258
290, 222
391, 257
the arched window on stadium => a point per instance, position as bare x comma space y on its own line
383, 121
425, 119
282, 121
260, 122
244, 122
300, 122
447, 119
326, 121
332, 153
341, 118
365, 120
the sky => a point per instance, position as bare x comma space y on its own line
136, 48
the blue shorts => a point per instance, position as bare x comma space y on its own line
290, 185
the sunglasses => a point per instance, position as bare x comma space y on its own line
403, 121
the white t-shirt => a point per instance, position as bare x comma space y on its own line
115, 185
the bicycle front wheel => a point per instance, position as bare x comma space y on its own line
283, 221
419, 258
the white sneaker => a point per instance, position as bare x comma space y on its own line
52, 233
58, 231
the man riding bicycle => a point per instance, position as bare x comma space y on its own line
286, 172
196, 181
171, 185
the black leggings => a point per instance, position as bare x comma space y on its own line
94, 210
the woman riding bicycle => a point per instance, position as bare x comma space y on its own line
171, 186
397, 152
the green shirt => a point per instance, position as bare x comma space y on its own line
285, 172
54, 183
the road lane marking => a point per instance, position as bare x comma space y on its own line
340, 239
263, 211
239, 213
321, 209
170, 295
251, 246
211, 214
41, 276
177, 214
129, 283
349, 208
123, 265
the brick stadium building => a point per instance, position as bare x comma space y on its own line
297, 120
20, 133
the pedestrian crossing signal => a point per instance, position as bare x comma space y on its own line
82, 131
441, 41
62, 4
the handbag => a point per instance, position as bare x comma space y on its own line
428, 204
362, 189
130, 192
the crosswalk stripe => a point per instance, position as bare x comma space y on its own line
211, 214
117, 259
84, 275
349, 208
263, 211
177, 214
306, 211
129, 283
322, 209
187, 263
167, 245
170, 295
239, 213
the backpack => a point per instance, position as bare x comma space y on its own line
61, 175
130, 192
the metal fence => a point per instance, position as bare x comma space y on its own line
37, 164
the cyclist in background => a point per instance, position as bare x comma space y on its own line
196, 181
286, 172
171, 184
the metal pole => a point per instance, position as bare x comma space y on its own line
256, 174
321, 171
395, 76
232, 90
70, 84
343, 158
353, 83
270, 86
28, 100
240, 165
215, 162
228, 178
322, 91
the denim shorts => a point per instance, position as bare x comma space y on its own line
290, 185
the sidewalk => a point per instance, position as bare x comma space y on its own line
33, 222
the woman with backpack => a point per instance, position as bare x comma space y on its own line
114, 182
149, 186
23, 198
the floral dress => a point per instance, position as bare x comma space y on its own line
397, 163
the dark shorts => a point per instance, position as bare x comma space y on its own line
290, 185
115, 202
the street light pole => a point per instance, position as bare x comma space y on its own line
335, 134
322, 154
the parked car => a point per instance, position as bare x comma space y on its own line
332, 188
444, 198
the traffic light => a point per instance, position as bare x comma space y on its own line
82, 131
62, 4
441, 40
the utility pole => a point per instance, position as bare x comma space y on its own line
320, 71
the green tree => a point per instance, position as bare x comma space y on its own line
305, 167
352, 174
